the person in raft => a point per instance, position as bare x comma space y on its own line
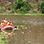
9, 23
4, 22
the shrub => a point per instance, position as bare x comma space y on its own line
9, 8
39, 7
42, 7
7, 3
18, 5
12, 11
22, 5
2, 9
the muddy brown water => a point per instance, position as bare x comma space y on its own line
34, 34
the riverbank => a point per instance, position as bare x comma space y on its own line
21, 14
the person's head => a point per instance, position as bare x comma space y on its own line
5, 21
5, 18
9, 21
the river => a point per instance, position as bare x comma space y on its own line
31, 29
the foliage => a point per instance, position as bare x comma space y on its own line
42, 0
12, 11
2, 41
9, 8
39, 7
22, 5
42, 6
7, 3
2, 9
33, 5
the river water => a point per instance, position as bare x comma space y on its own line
30, 29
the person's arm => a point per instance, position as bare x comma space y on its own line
1, 23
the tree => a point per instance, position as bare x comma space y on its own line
42, 7
22, 5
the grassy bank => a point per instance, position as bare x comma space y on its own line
21, 14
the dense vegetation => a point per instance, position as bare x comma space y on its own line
22, 6
42, 7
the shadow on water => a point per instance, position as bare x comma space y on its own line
9, 30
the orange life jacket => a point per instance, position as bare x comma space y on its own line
4, 24
10, 24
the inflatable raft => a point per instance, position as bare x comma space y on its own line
3, 29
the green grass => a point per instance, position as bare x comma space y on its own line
3, 41
21, 14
